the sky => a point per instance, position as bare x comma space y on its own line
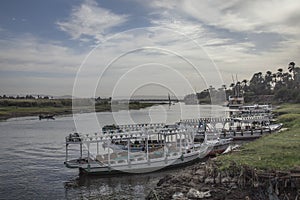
132, 47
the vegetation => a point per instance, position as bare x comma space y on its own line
18, 107
279, 151
271, 87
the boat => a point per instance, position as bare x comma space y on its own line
143, 148
178, 148
137, 144
46, 117
235, 101
219, 146
245, 127
211, 137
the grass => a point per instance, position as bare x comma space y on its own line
32, 107
279, 151
13, 111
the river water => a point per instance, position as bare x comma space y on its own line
32, 153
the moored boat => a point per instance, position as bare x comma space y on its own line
178, 149
46, 117
219, 146
238, 128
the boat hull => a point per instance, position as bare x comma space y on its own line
138, 168
251, 134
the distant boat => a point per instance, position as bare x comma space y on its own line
235, 102
46, 117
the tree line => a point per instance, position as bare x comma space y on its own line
272, 87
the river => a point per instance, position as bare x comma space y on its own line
32, 153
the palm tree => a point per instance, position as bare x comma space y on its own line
274, 78
279, 78
268, 81
296, 73
279, 73
224, 87
244, 86
291, 67
238, 88
232, 90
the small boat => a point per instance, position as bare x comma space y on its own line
211, 137
235, 102
46, 117
219, 146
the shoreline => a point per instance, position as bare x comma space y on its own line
267, 168
16, 112
206, 181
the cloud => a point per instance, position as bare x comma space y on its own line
89, 19
31, 65
240, 36
238, 15
190, 21
150, 47
28, 53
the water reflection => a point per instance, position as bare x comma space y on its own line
125, 186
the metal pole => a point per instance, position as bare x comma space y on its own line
147, 149
88, 147
80, 150
180, 143
176, 139
97, 147
165, 148
108, 152
186, 142
67, 152
165, 153
128, 151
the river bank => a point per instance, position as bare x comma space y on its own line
11, 108
206, 181
268, 168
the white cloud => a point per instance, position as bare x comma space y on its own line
89, 19
28, 53
256, 16
31, 65
272, 26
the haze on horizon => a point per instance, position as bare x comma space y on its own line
135, 48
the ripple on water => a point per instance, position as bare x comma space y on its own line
33, 153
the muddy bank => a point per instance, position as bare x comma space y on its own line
207, 181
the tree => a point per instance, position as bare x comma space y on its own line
291, 66
257, 84
296, 74
269, 81
279, 73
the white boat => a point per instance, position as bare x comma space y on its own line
236, 101
176, 145
245, 127
178, 148
218, 146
